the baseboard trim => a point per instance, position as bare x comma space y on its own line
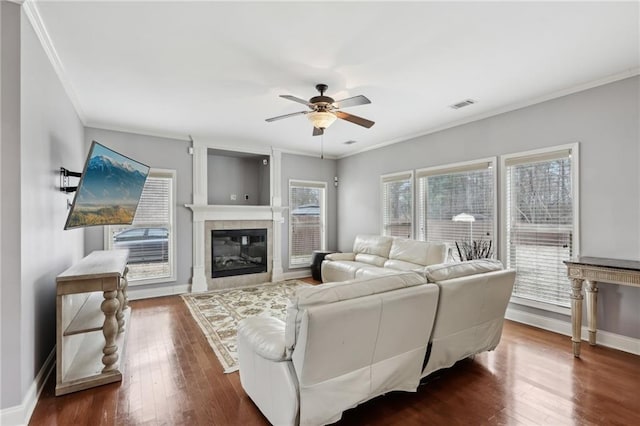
604, 338
294, 275
138, 293
21, 414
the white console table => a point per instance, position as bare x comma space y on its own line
592, 270
91, 314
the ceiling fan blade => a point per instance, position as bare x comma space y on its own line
317, 132
354, 119
296, 99
280, 117
348, 102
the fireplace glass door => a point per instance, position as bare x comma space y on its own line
238, 252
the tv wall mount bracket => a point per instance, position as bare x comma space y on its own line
64, 180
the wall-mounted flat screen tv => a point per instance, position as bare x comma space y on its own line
109, 189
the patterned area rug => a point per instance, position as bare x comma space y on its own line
218, 313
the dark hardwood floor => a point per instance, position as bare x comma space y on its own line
172, 377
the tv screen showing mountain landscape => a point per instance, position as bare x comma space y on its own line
109, 189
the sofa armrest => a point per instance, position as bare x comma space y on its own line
265, 335
341, 256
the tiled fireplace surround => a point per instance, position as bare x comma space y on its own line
207, 217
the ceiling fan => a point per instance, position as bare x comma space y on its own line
324, 110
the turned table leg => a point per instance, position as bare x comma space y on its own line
125, 286
119, 313
576, 315
592, 304
110, 329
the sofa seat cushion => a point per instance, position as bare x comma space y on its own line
338, 291
418, 252
342, 268
449, 271
401, 265
370, 271
370, 259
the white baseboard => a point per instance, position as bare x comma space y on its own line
294, 275
21, 414
137, 293
604, 338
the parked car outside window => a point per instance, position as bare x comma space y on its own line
146, 245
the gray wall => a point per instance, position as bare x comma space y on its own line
50, 136
605, 122
10, 392
301, 167
237, 175
159, 153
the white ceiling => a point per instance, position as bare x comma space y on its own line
214, 70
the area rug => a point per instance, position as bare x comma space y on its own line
218, 313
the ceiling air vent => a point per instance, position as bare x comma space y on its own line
463, 104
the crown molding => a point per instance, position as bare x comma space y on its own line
632, 72
31, 11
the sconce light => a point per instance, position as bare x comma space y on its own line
335, 181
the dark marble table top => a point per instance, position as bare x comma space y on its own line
604, 262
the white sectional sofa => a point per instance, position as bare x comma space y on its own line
380, 330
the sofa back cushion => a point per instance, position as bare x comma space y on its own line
449, 271
421, 253
335, 292
377, 245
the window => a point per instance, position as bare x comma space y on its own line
307, 213
397, 204
456, 204
150, 239
540, 202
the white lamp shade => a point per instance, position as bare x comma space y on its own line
321, 119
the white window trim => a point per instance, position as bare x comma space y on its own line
323, 229
167, 173
575, 183
489, 162
392, 177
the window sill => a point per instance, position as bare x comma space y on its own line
298, 266
540, 305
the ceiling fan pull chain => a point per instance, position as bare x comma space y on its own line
322, 146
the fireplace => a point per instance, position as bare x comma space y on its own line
238, 252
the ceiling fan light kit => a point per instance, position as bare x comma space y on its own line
325, 110
321, 119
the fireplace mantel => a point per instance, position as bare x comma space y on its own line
232, 212
203, 212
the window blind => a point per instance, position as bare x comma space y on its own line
457, 204
154, 205
306, 221
149, 238
540, 225
397, 205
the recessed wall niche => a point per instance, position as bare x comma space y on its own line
237, 178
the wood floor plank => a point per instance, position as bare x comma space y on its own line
172, 377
